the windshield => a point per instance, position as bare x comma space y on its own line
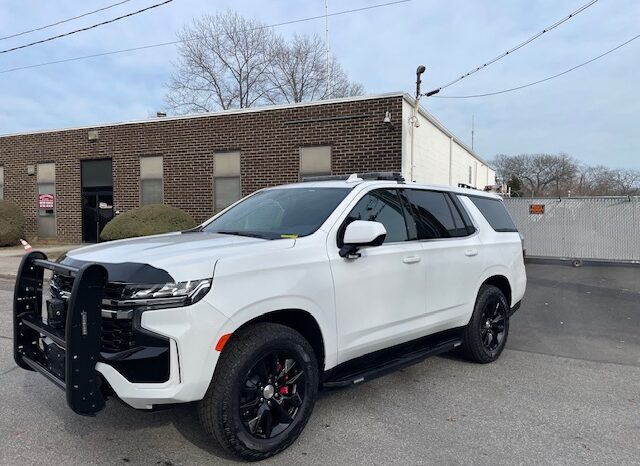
279, 213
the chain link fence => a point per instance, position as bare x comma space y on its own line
596, 228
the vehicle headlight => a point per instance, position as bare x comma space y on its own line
167, 294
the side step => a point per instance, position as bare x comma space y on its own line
385, 361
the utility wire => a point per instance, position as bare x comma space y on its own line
513, 49
163, 44
86, 28
540, 80
64, 20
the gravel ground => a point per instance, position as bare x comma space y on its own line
565, 391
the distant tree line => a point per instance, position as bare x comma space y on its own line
562, 175
228, 61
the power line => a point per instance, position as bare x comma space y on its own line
540, 80
164, 44
86, 28
64, 20
513, 49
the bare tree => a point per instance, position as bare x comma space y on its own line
538, 172
228, 61
627, 182
594, 181
298, 72
223, 64
550, 174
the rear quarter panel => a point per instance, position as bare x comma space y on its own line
502, 254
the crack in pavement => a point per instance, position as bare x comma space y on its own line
6, 338
8, 370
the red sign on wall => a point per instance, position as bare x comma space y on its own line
46, 201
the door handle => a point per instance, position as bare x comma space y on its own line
411, 259
471, 252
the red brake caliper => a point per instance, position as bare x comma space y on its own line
284, 390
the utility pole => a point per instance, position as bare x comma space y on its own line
414, 118
326, 41
472, 130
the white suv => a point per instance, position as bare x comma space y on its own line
293, 288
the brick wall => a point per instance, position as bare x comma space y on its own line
268, 140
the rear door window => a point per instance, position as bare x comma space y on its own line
495, 213
436, 215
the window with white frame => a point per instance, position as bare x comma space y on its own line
315, 161
226, 179
151, 180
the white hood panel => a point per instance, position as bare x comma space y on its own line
185, 256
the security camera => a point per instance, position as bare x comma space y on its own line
387, 120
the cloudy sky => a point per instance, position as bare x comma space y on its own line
592, 113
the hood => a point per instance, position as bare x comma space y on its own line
183, 256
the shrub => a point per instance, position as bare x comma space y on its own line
147, 220
11, 224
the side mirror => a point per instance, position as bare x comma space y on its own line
361, 233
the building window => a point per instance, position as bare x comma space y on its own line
470, 174
151, 189
226, 179
46, 179
315, 161
1, 183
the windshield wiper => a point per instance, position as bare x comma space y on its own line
240, 233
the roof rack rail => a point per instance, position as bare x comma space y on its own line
388, 176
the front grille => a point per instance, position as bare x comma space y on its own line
117, 333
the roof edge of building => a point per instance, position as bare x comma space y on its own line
444, 129
233, 111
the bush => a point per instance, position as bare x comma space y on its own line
147, 220
11, 224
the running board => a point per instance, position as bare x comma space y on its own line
377, 364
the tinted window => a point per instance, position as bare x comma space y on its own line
494, 211
384, 206
436, 215
277, 213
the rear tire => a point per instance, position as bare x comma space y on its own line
485, 336
262, 392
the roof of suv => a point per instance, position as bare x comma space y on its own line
359, 182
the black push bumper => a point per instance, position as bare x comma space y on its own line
65, 354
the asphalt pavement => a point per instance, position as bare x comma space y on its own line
565, 391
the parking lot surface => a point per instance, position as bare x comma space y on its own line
565, 391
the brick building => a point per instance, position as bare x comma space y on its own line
70, 182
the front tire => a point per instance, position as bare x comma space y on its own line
485, 336
262, 393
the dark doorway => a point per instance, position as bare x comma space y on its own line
97, 198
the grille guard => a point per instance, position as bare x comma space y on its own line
80, 340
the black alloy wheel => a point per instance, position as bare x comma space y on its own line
272, 394
262, 392
492, 330
485, 336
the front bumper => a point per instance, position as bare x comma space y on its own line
193, 332
72, 357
